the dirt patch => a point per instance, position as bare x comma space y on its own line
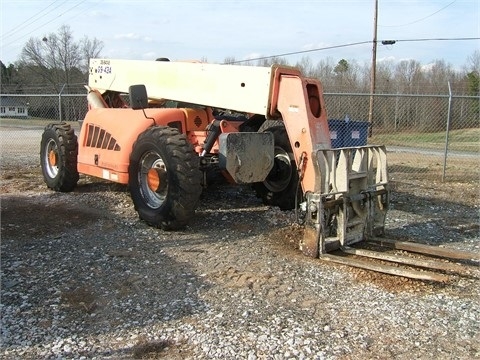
160, 349
26, 218
82, 298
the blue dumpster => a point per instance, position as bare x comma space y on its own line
348, 133
337, 128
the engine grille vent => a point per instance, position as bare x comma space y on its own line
101, 139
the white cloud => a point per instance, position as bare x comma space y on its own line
387, 59
133, 36
252, 56
96, 13
129, 36
427, 67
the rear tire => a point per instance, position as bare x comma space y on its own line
280, 188
164, 178
58, 157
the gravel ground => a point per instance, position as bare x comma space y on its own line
83, 278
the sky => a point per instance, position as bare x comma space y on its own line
248, 29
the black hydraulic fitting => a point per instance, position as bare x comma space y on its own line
214, 131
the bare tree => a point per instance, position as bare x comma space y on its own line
472, 76
229, 60
324, 72
437, 76
57, 59
57, 63
346, 76
408, 75
472, 80
89, 48
305, 65
473, 64
269, 61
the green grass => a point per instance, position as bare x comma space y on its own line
459, 140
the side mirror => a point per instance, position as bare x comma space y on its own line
138, 97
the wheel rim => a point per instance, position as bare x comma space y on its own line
51, 158
152, 178
281, 174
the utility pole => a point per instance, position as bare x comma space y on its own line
374, 70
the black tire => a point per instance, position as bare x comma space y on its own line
164, 178
58, 157
281, 186
269, 124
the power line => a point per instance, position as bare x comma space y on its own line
383, 42
444, 39
301, 52
48, 22
33, 17
424, 18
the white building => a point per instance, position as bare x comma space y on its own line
13, 107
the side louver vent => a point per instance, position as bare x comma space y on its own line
99, 138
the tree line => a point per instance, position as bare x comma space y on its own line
49, 63
57, 64
404, 77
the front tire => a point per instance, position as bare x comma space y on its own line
164, 178
58, 157
281, 187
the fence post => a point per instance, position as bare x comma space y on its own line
60, 103
447, 130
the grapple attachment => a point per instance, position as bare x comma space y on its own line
353, 201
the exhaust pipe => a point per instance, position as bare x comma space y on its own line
95, 99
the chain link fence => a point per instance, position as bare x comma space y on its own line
428, 137
434, 137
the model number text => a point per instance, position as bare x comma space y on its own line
103, 69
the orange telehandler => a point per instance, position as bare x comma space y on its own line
265, 126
